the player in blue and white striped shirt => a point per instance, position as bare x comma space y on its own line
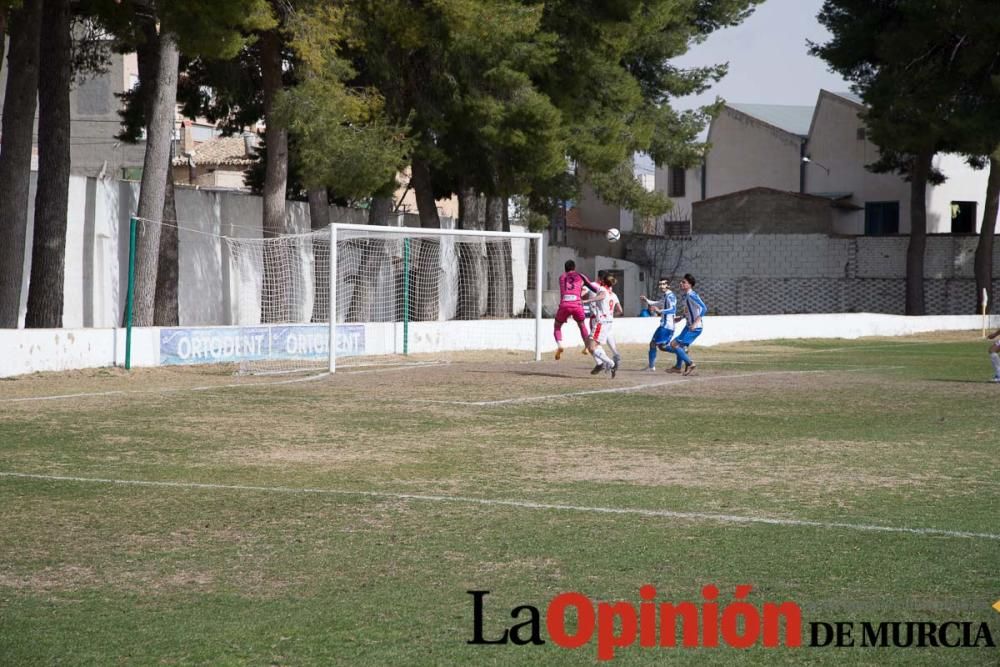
695, 310
666, 308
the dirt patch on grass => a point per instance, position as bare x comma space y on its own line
466, 376
184, 539
135, 577
103, 380
838, 388
517, 566
52, 579
328, 457
253, 562
811, 467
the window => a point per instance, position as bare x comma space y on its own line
202, 132
881, 218
131, 173
676, 182
963, 217
861, 134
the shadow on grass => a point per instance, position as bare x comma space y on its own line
563, 376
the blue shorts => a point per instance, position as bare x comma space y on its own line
662, 336
687, 336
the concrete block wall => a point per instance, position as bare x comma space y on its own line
815, 273
881, 257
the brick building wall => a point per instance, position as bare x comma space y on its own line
756, 209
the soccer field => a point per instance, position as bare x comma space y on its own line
186, 516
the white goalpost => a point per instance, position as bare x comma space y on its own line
416, 294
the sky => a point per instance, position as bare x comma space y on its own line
767, 56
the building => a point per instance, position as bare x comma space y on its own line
94, 121
95, 149
821, 150
763, 210
220, 162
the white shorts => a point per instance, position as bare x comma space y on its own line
601, 333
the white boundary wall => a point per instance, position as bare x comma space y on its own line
34, 350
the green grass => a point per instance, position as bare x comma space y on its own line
896, 433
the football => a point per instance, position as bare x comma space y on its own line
613, 235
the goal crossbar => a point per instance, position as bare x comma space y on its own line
430, 231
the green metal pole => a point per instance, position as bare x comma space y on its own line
129, 298
406, 296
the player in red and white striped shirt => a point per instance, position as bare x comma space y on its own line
614, 308
606, 302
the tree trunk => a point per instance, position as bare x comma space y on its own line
167, 312
472, 270
15, 154
319, 209
365, 304
319, 219
509, 256
48, 250
274, 297
423, 191
152, 190
3, 34
380, 210
984, 249
469, 214
165, 309
425, 267
918, 233
500, 278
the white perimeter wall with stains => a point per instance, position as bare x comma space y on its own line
34, 350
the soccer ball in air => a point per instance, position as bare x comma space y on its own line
613, 235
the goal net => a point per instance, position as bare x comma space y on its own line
414, 293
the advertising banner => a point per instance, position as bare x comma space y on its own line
213, 345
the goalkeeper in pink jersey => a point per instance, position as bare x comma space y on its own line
571, 285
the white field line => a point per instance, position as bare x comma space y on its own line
234, 385
638, 387
520, 504
122, 392
386, 368
392, 365
822, 350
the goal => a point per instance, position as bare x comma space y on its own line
410, 292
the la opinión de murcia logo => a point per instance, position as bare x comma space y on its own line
707, 624
653, 624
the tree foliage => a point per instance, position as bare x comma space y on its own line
342, 140
339, 138
499, 95
506, 94
492, 98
